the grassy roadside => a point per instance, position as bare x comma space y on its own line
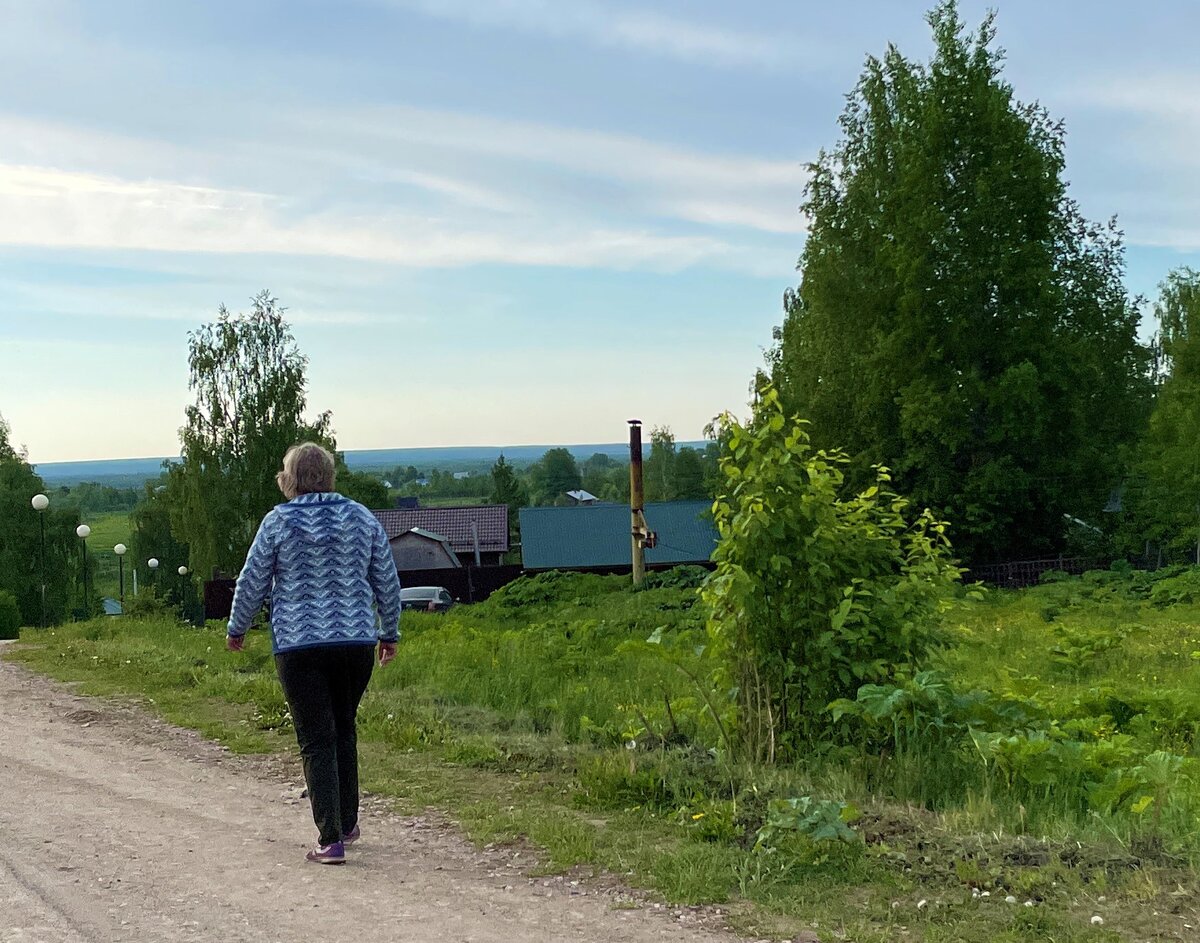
518, 723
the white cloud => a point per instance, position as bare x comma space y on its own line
625, 27
659, 179
63, 209
781, 219
1148, 131
1161, 94
407, 186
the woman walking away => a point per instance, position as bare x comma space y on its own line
326, 564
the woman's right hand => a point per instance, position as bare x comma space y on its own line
387, 651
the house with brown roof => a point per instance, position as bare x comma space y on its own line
420, 549
465, 529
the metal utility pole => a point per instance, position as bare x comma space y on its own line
119, 550
42, 558
637, 501
40, 502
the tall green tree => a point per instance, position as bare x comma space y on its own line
21, 540
552, 476
153, 537
957, 319
363, 487
689, 475
595, 473
248, 378
658, 471
1164, 496
507, 487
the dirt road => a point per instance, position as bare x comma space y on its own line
117, 827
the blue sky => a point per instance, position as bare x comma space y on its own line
493, 221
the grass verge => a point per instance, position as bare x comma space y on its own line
519, 724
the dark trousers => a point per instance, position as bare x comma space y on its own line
323, 686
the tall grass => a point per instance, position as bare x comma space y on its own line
568, 698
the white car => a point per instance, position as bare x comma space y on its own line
425, 599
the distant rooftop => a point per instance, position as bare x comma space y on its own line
454, 523
598, 535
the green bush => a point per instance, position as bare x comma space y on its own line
678, 577
147, 604
10, 616
1182, 588
549, 588
816, 593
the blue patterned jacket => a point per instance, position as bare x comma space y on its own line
326, 564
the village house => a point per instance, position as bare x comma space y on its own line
471, 534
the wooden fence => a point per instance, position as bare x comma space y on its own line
466, 584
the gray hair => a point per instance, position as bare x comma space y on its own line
307, 468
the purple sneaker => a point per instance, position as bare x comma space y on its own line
351, 836
328, 854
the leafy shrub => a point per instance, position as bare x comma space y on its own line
147, 604
918, 709
1119, 583
1076, 650
1142, 787
819, 819
815, 593
549, 588
10, 616
1175, 590
678, 577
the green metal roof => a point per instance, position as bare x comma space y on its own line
598, 535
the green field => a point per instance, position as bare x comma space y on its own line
108, 530
1042, 777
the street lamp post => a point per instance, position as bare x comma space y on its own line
40, 502
83, 532
119, 550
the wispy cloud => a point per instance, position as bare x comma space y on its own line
1161, 94
407, 186
61, 209
624, 27
661, 179
1150, 134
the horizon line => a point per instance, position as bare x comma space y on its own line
393, 448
